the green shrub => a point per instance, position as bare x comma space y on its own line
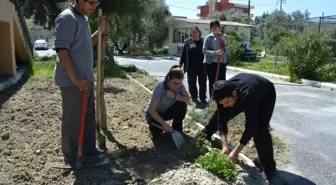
310, 58
236, 52
112, 70
161, 51
199, 146
218, 164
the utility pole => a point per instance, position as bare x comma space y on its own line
249, 8
281, 1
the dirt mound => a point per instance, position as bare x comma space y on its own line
187, 176
192, 175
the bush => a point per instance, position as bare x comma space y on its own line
310, 58
218, 164
112, 70
161, 51
236, 52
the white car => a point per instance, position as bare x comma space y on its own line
41, 45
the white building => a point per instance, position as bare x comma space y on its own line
179, 30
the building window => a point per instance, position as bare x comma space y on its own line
180, 34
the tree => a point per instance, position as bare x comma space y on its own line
43, 12
297, 15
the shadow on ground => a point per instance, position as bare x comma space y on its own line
149, 57
134, 165
113, 90
6, 94
288, 178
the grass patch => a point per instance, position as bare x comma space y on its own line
45, 68
265, 65
145, 79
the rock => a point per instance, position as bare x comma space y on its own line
7, 152
38, 152
13, 118
5, 136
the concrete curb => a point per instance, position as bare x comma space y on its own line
312, 83
12, 80
246, 160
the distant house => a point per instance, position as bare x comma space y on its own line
222, 6
15, 40
179, 30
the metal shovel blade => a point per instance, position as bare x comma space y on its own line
178, 139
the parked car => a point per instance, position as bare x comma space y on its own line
41, 45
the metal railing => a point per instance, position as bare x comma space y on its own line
24, 27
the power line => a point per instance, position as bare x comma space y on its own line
182, 7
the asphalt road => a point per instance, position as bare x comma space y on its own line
305, 115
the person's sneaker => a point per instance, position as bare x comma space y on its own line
196, 101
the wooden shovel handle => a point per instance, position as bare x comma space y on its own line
219, 58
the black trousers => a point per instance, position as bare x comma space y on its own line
262, 139
176, 112
211, 70
193, 74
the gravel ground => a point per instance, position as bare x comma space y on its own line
30, 132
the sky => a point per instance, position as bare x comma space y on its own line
189, 9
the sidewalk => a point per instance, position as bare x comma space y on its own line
312, 83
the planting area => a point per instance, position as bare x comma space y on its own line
236, 126
30, 141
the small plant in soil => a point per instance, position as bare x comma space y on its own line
199, 146
218, 164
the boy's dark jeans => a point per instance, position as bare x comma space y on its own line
176, 112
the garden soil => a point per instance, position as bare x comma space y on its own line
30, 140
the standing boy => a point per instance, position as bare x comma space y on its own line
74, 73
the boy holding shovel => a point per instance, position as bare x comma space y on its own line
74, 74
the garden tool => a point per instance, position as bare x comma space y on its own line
81, 130
219, 59
99, 136
176, 135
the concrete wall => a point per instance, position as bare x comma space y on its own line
12, 39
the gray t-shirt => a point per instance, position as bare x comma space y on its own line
72, 32
160, 96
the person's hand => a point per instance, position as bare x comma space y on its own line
170, 94
219, 52
167, 127
234, 156
101, 23
225, 150
82, 84
223, 38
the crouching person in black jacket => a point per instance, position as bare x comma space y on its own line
255, 96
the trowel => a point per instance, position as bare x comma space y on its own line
176, 135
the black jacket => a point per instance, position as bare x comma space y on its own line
253, 91
184, 60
